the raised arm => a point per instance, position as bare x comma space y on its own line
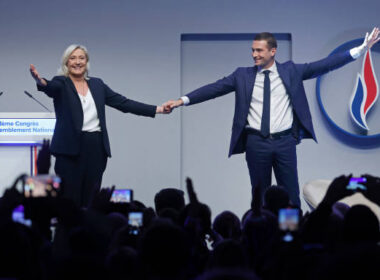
315, 69
51, 88
368, 42
36, 76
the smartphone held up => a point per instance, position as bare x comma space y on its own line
122, 195
41, 186
357, 184
288, 220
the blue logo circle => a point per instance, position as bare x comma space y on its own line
352, 139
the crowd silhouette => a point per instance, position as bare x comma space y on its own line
181, 241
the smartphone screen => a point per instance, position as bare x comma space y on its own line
357, 184
288, 219
122, 195
135, 221
19, 217
41, 185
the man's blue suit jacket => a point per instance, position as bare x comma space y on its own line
242, 81
69, 113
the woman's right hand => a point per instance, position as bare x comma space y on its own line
36, 76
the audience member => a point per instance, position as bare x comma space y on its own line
227, 225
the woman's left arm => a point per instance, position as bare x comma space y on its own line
126, 105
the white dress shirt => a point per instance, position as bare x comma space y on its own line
90, 115
281, 115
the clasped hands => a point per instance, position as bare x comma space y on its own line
168, 106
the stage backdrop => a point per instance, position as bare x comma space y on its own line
139, 49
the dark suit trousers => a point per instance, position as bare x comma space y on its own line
82, 174
263, 154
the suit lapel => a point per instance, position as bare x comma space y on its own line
76, 106
285, 77
72, 86
249, 83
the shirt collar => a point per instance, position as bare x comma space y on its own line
272, 69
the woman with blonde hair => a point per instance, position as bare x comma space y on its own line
80, 142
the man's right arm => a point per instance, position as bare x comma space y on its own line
207, 92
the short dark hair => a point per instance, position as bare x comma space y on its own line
169, 198
266, 36
275, 198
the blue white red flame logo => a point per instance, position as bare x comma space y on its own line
365, 93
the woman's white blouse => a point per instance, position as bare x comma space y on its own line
90, 115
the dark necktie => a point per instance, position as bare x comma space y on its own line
265, 119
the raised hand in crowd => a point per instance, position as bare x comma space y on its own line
337, 190
101, 200
198, 215
11, 198
44, 158
315, 228
257, 201
373, 188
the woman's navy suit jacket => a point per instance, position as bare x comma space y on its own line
69, 113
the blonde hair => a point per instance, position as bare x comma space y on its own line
63, 70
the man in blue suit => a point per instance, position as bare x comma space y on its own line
271, 111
